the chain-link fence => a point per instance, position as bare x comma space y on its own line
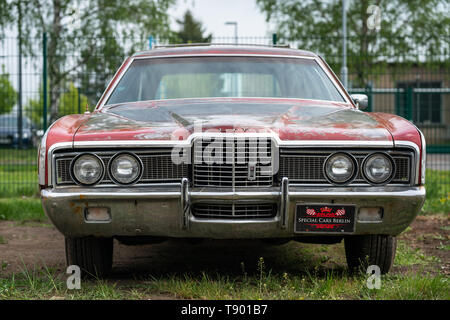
39, 84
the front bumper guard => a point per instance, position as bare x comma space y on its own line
165, 210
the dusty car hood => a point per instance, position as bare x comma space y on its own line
176, 119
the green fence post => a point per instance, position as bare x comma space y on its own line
397, 102
44, 81
409, 103
79, 101
274, 39
370, 98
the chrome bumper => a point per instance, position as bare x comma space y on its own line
165, 211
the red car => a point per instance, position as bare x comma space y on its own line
231, 142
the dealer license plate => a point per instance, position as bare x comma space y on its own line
325, 219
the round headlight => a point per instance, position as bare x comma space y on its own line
125, 168
340, 168
87, 169
378, 168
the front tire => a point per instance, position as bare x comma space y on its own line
366, 250
92, 255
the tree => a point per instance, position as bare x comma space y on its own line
74, 28
8, 96
191, 30
408, 30
101, 64
71, 101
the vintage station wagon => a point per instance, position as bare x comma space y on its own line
230, 142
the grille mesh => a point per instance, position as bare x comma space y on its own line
308, 168
158, 167
301, 167
234, 210
214, 168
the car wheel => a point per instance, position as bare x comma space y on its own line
367, 250
92, 255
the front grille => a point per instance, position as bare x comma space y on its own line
304, 167
158, 167
300, 166
234, 210
226, 163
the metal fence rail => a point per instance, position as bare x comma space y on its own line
416, 88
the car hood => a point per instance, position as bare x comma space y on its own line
290, 119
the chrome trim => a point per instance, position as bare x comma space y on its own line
272, 135
277, 142
391, 176
96, 194
284, 202
51, 174
234, 205
156, 211
359, 179
111, 153
424, 158
72, 175
175, 193
42, 151
105, 96
402, 143
184, 203
233, 140
338, 143
352, 176
141, 168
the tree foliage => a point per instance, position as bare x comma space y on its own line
8, 95
84, 36
71, 101
191, 30
408, 30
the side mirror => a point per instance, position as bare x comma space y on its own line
361, 101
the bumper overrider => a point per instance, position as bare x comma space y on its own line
166, 211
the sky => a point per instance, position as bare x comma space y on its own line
214, 13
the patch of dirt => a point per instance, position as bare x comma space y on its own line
37, 246
430, 234
30, 246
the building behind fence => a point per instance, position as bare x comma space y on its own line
417, 88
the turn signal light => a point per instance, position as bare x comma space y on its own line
374, 214
97, 215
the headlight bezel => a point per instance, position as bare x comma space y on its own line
72, 172
391, 175
351, 177
140, 166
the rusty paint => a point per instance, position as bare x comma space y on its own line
77, 210
291, 119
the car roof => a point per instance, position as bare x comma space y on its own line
224, 49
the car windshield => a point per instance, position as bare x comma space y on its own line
207, 77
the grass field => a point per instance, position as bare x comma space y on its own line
295, 271
45, 285
18, 172
438, 192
